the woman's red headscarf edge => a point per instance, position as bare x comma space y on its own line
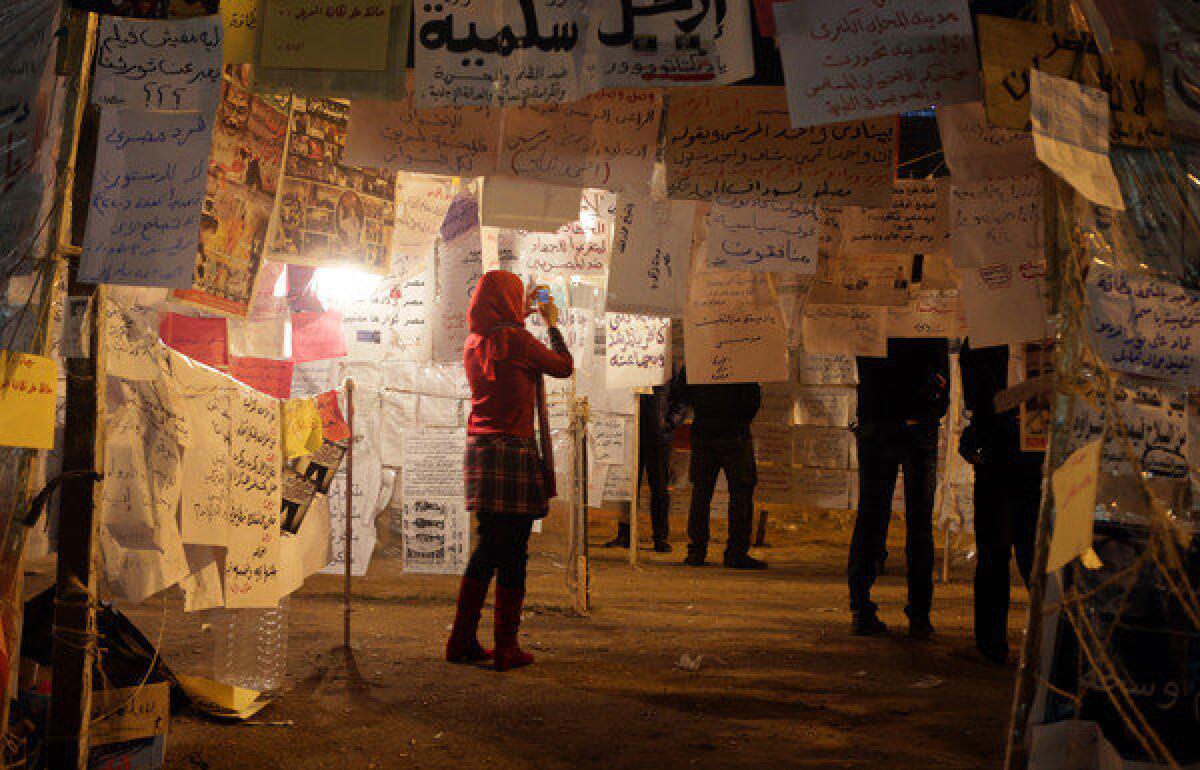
495, 312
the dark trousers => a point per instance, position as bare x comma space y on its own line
883, 449
502, 549
1008, 497
710, 456
654, 457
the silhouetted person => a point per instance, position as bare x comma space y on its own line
1008, 491
901, 401
721, 441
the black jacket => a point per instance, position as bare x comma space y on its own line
988, 436
911, 383
661, 412
721, 411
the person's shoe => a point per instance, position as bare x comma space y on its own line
622, 538
919, 627
508, 653
662, 546
744, 561
694, 559
463, 646
867, 623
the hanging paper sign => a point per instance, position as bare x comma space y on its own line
655, 45
578, 248
143, 223
1005, 303
916, 222
202, 339
239, 20
1011, 50
998, 220
333, 424
975, 149
860, 59
767, 235
737, 142
27, 400
266, 375
255, 500
158, 65
635, 348
651, 256
316, 336
343, 35
503, 53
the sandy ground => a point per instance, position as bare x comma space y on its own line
781, 682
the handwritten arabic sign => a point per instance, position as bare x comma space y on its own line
159, 65
760, 234
651, 256
916, 222
323, 34
27, 399
580, 247
858, 59
845, 329
1005, 303
606, 140
635, 347
1144, 326
143, 222
733, 329
1130, 75
255, 499
996, 221
677, 43
975, 149
737, 142
394, 135
498, 52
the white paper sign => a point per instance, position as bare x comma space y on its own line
916, 222
635, 350
998, 220
845, 329
256, 485
862, 58
1070, 134
771, 235
975, 149
1005, 303
436, 536
155, 64
143, 225
651, 256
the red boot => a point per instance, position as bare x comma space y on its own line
463, 646
508, 623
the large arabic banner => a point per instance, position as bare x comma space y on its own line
736, 142
497, 52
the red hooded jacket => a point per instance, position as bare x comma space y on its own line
503, 360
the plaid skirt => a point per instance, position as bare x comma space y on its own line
504, 476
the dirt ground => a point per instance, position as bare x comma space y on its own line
781, 681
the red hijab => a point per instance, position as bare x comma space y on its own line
495, 313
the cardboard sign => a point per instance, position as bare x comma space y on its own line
129, 713
737, 142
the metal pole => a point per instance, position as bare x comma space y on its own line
348, 558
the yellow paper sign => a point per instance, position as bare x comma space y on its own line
1074, 486
325, 35
301, 427
27, 400
239, 18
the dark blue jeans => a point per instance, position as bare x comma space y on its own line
710, 456
883, 449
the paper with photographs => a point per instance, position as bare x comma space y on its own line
737, 142
762, 234
975, 149
659, 45
324, 54
158, 65
395, 135
436, 536
143, 225
876, 279
328, 213
865, 58
606, 140
845, 330
916, 222
505, 53
636, 349
1005, 303
1069, 134
243, 175
651, 256
1011, 50
997, 220
1144, 326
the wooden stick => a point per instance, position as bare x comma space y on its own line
348, 558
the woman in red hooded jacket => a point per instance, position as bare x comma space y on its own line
508, 484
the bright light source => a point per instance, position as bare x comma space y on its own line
342, 286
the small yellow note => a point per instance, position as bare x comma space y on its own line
301, 427
325, 35
239, 19
27, 385
1074, 485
